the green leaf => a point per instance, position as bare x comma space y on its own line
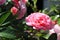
35, 1
52, 17
45, 10
7, 35
53, 7
2, 13
0, 9
41, 38
53, 37
56, 11
9, 0
18, 39
46, 36
38, 34
34, 7
55, 17
4, 17
5, 23
10, 28
58, 20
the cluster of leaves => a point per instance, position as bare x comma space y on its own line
12, 29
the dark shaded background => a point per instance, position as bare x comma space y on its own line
39, 5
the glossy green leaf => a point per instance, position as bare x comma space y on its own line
5, 23
52, 17
7, 35
46, 36
58, 20
56, 11
9, 0
0, 9
55, 17
45, 10
4, 17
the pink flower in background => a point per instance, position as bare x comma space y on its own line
2, 2
21, 6
14, 10
56, 29
23, 9
39, 21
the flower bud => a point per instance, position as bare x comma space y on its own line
14, 10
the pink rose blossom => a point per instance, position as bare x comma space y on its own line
39, 21
2, 2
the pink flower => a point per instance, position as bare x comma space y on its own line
22, 10
2, 2
56, 29
21, 6
14, 10
39, 21
25, 1
51, 31
58, 36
